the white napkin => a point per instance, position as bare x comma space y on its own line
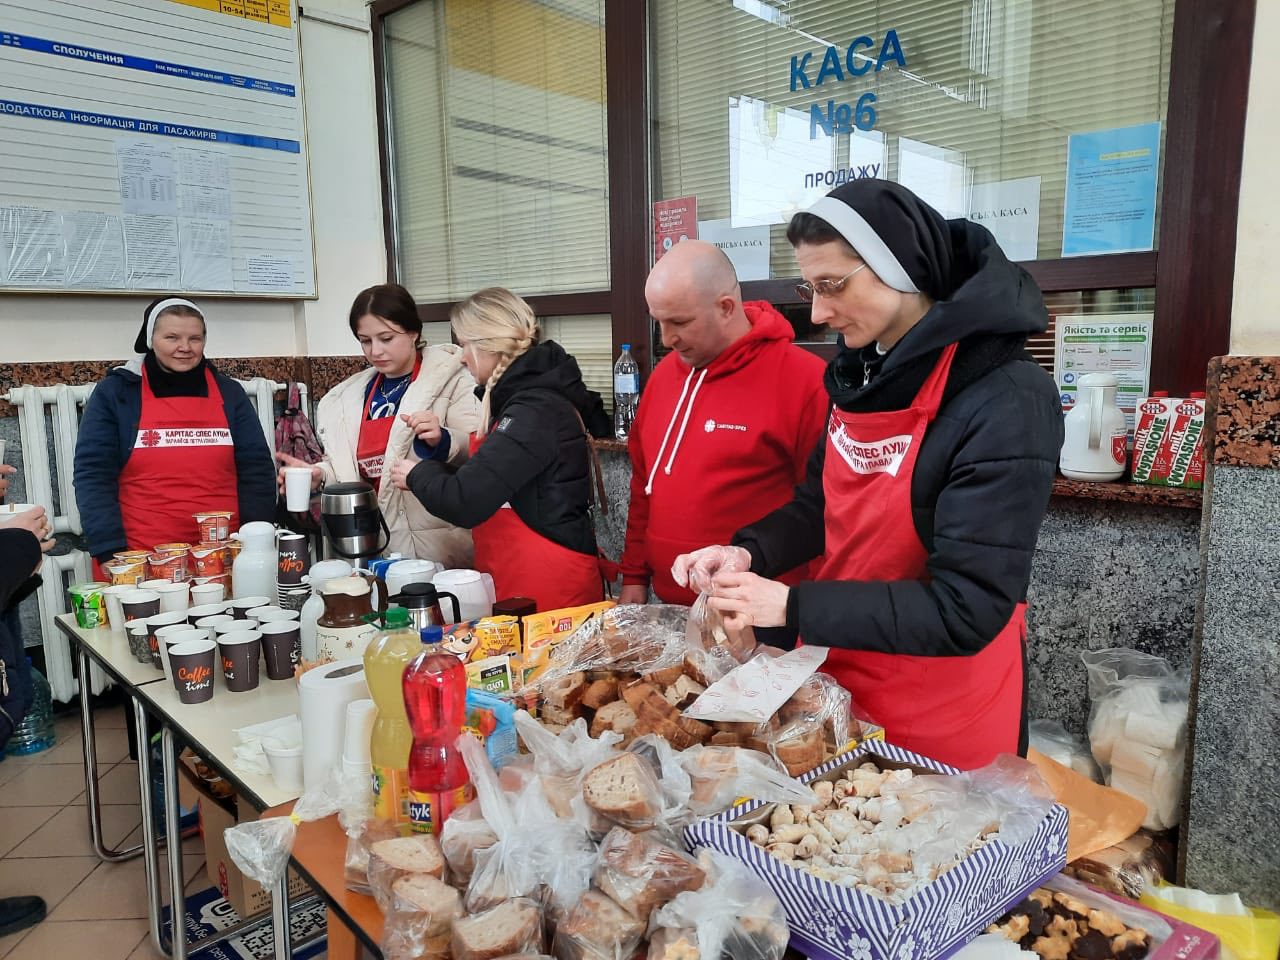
753, 692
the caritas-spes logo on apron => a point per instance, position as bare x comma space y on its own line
869, 456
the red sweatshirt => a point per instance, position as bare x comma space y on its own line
715, 449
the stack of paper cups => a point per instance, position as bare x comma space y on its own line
323, 695
355, 750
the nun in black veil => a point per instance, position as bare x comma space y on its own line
923, 501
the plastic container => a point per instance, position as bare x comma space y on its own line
493, 720
35, 733
626, 392
385, 659
435, 697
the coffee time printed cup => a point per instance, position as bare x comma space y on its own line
192, 666
240, 653
282, 647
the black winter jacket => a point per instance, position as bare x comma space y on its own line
535, 456
108, 431
19, 557
982, 479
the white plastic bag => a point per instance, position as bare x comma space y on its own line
1138, 727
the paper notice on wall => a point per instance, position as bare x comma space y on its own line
1112, 176
31, 247
148, 178
269, 273
151, 252
205, 254
770, 154
205, 203
1119, 344
95, 250
746, 247
673, 220
209, 168
1010, 209
939, 176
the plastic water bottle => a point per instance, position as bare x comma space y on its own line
435, 698
35, 733
626, 392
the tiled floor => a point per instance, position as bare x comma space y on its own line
96, 909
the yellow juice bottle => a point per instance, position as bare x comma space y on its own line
384, 662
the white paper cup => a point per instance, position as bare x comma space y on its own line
241, 606
207, 593
211, 623
233, 626
198, 612
286, 766
272, 614
115, 613
175, 596
174, 633
10, 510
297, 488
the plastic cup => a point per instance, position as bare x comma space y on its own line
174, 633
175, 596
240, 652
241, 606
285, 764
139, 635
297, 489
192, 666
115, 612
206, 593
139, 604
197, 613
282, 646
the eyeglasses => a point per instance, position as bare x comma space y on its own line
824, 288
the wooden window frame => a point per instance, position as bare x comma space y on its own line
1192, 270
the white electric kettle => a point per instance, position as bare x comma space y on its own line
473, 589
1095, 446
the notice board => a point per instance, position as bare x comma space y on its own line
153, 146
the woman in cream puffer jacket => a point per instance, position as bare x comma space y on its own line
442, 386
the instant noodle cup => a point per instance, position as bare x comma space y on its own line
128, 573
89, 605
131, 555
172, 547
214, 525
208, 559
167, 566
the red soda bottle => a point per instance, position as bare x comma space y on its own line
435, 698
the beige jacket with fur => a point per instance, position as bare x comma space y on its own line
446, 388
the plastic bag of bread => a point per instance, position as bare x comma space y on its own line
626, 790
355, 866
597, 928
536, 854
707, 630
722, 775
733, 916
465, 833
419, 923
513, 926
561, 761
639, 872
261, 848
389, 860
1128, 867
634, 637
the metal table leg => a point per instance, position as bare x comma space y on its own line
93, 804
173, 838
150, 843
280, 918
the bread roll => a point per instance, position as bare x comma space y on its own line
511, 927
624, 789
640, 873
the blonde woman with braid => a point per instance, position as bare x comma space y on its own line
525, 490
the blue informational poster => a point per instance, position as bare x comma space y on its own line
1111, 190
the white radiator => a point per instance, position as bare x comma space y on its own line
61, 405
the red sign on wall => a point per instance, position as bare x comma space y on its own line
673, 220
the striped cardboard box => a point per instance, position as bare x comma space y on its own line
830, 922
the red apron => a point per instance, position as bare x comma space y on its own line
524, 563
183, 461
960, 710
371, 444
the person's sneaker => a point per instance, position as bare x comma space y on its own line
18, 913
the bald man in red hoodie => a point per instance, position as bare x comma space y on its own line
726, 422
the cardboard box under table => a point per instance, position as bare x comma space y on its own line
832, 922
247, 897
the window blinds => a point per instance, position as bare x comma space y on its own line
496, 113
990, 91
